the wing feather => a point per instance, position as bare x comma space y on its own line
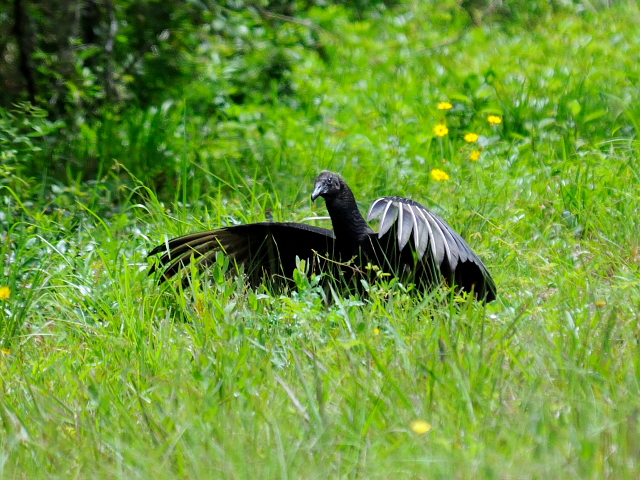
434, 241
267, 248
377, 207
429, 240
446, 239
388, 219
416, 228
405, 224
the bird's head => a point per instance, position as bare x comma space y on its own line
327, 185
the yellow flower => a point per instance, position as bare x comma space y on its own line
439, 175
471, 137
475, 156
5, 292
494, 119
600, 303
444, 106
376, 331
6, 351
420, 427
440, 130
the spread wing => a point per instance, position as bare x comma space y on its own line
265, 249
435, 243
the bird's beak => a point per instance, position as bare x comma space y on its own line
319, 190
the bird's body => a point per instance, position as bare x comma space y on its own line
413, 243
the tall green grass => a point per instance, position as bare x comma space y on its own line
103, 373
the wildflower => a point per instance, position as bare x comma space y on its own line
444, 106
600, 303
420, 427
439, 175
494, 119
376, 331
6, 351
440, 130
471, 137
5, 292
475, 156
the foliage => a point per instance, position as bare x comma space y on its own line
20, 130
106, 67
105, 374
75, 57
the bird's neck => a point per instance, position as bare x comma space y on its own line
349, 226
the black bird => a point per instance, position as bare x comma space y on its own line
412, 243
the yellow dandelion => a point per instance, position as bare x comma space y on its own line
6, 351
494, 119
440, 130
5, 292
475, 156
444, 106
439, 175
376, 331
600, 303
420, 427
471, 137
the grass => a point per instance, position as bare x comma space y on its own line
105, 374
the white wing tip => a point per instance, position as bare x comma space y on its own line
370, 215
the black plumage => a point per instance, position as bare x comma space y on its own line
412, 243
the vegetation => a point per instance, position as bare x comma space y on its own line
105, 374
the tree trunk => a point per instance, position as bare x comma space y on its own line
24, 46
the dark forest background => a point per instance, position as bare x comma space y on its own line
85, 83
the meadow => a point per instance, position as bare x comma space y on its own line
105, 374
